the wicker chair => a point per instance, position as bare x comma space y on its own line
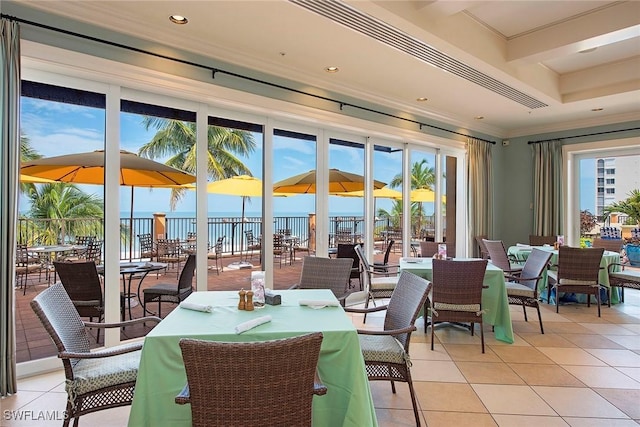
377, 285
384, 266
499, 258
522, 289
326, 273
217, 254
25, 265
535, 240
623, 278
456, 294
613, 245
347, 250
171, 292
242, 383
578, 270
484, 253
95, 380
386, 352
81, 282
429, 249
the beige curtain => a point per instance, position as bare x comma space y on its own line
548, 208
9, 175
480, 185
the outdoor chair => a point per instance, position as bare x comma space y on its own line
578, 271
623, 278
216, 255
79, 254
189, 246
146, 246
535, 240
613, 245
264, 383
610, 233
384, 266
171, 292
81, 281
386, 352
168, 251
326, 273
499, 258
281, 249
429, 249
301, 246
377, 285
522, 288
484, 253
456, 294
253, 244
26, 264
95, 380
94, 252
347, 250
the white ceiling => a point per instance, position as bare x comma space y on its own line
530, 48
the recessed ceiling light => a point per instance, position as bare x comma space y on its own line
422, 99
332, 69
597, 109
178, 19
479, 117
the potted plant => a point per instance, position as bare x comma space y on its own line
631, 208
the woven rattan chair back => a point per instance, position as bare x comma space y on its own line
536, 262
535, 240
613, 245
483, 252
185, 282
404, 305
222, 374
347, 250
579, 264
82, 283
429, 249
498, 255
326, 273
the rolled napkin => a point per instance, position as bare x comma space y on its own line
250, 324
319, 303
195, 306
523, 245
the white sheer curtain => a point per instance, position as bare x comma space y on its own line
480, 185
548, 207
9, 175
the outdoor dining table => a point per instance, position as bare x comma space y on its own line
161, 375
50, 253
494, 298
521, 252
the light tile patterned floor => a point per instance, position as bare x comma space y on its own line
584, 371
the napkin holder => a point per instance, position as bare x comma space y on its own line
271, 298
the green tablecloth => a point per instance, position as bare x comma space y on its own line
494, 298
522, 253
161, 375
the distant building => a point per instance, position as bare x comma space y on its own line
616, 177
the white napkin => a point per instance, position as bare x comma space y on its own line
250, 324
523, 245
195, 306
318, 303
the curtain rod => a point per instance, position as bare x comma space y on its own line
214, 70
582, 136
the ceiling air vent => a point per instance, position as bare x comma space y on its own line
384, 33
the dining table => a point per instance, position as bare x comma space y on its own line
495, 305
521, 252
161, 374
51, 253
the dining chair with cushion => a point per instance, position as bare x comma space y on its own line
386, 352
217, 254
81, 281
172, 292
95, 380
263, 383
377, 285
456, 294
623, 278
522, 288
326, 273
499, 258
578, 272
26, 264
535, 240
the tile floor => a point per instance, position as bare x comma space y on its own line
584, 371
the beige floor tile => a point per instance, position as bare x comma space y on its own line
571, 356
607, 329
619, 318
436, 370
599, 422
546, 340
448, 419
422, 351
631, 372
521, 355
578, 402
566, 328
591, 341
623, 358
625, 400
44, 382
18, 400
470, 353
488, 373
384, 398
549, 375
47, 410
635, 327
602, 376
397, 418
448, 397
447, 334
581, 314
529, 421
112, 417
630, 342
525, 327
512, 399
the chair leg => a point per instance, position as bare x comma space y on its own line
524, 310
557, 299
433, 335
597, 300
540, 318
413, 398
482, 336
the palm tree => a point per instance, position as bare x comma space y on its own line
27, 153
69, 211
177, 139
422, 176
629, 206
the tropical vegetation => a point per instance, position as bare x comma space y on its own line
629, 207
